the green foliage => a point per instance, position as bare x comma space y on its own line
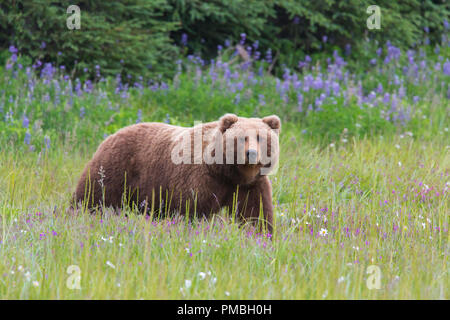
134, 31
145, 33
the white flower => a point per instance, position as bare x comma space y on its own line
344, 140
397, 146
331, 145
214, 280
27, 275
341, 279
355, 248
36, 283
323, 232
423, 225
109, 264
227, 293
399, 164
20, 268
187, 250
187, 283
202, 275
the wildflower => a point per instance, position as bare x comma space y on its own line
187, 283
227, 293
27, 138
446, 68
36, 283
202, 275
340, 279
323, 232
109, 264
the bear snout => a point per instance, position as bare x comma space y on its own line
252, 156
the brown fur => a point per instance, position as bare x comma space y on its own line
137, 159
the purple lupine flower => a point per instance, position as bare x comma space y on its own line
269, 55
12, 49
243, 37
446, 68
437, 66
299, 102
261, 100
43, 45
336, 88
25, 122
47, 142
318, 83
139, 116
296, 20
184, 39
324, 39
437, 49
27, 139
237, 99
373, 61
380, 88
348, 49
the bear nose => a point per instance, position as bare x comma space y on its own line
252, 156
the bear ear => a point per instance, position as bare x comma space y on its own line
227, 121
273, 122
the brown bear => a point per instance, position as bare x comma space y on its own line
196, 170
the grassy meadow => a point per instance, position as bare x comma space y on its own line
363, 181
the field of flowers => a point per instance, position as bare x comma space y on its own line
361, 194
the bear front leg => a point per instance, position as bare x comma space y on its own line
250, 200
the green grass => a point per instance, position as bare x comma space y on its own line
152, 261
